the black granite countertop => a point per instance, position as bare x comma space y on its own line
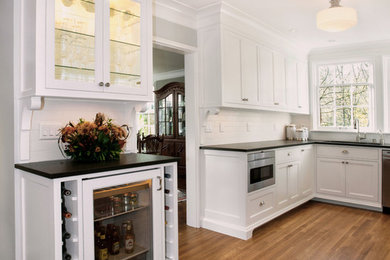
66, 168
266, 145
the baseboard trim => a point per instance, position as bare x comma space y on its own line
348, 204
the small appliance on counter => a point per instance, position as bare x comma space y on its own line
290, 132
302, 134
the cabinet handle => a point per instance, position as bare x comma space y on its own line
160, 182
345, 152
289, 154
289, 166
276, 103
244, 99
107, 84
261, 203
302, 150
101, 84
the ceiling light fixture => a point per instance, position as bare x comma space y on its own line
336, 18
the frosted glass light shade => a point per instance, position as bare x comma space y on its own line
336, 19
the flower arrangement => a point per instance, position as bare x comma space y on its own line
100, 140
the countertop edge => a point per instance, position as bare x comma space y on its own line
96, 170
295, 144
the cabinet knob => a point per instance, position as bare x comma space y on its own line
346, 162
244, 99
107, 84
344, 151
302, 150
289, 154
299, 106
289, 166
101, 84
276, 103
261, 203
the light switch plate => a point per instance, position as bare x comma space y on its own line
49, 130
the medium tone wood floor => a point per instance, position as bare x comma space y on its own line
312, 231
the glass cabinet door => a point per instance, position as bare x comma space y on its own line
123, 47
123, 217
74, 40
181, 112
165, 116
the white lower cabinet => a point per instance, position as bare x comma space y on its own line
331, 176
362, 180
228, 208
287, 183
344, 175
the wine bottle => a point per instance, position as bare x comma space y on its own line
66, 213
167, 175
65, 191
167, 191
66, 235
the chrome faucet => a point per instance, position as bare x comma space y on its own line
360, 136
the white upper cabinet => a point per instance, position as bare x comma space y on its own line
239, 69
279, 80
266, 76
303, 88
88, 49
239, 72
291, 83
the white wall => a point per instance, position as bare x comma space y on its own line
7, 245
230, 126
64, 110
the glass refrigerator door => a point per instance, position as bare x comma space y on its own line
122, 214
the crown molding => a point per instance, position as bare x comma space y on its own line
371, 48
175, 12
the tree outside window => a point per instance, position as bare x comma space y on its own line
345, 92
146, 120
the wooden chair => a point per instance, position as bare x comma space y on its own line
150, 144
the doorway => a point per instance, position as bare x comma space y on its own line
162, 126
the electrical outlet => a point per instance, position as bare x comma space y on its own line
49, 131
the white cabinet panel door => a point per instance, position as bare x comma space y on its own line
291, 84
279, 80
362, 180
293, 192
331, 176
249, 73
306, 172
282, 194
266, 79
303, 88
231, 67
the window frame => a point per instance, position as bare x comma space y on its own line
315, 97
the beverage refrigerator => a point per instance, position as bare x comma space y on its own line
114, 215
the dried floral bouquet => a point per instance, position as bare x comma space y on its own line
100, 140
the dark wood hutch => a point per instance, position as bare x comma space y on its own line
170, 123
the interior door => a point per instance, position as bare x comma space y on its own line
132, 200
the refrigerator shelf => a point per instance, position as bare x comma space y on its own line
138, 250
120, 214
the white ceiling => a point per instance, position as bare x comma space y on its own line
300, 15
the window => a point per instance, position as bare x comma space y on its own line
146, 121
345, 93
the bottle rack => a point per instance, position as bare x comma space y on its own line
171, 218
70, 225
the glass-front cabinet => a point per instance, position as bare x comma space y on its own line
91, 48
120, 225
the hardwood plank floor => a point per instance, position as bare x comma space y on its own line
312, 231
